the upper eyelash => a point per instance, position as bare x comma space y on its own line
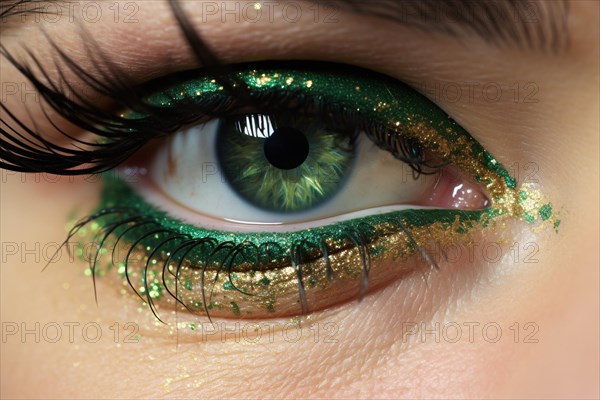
27, 155
403, 147
23, 149
122, 136
37, 154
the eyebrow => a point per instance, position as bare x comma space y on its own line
535, 25
9, 9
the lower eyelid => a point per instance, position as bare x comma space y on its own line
297, 272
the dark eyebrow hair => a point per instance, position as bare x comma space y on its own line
537, 25
12, 8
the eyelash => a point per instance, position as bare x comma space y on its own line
118, 138
137, 227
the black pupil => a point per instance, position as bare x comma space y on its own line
286, 148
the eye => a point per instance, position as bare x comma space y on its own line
283, 164
305, 206
293, 170
295, 164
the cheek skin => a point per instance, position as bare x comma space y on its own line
369, 357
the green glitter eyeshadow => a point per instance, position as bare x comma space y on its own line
116, 193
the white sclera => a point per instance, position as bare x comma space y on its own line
187, 171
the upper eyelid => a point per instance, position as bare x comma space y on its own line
404, 104
420, 117
118, 92
148, 90
82, 156
164, 53
428, 111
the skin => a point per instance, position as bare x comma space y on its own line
372, 357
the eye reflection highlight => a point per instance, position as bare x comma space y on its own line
256, 125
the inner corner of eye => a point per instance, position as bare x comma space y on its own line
452, 189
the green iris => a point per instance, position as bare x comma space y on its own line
283, 163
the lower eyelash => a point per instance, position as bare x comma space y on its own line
164, 260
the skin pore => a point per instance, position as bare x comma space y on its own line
371, 356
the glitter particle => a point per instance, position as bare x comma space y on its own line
545, 211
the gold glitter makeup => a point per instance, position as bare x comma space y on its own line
267, 274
